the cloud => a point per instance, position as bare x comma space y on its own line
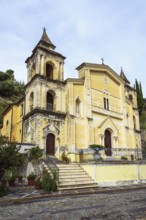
82, 30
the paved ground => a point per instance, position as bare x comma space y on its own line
26, 193
110, 204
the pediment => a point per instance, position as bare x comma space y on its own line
51, 128
108, 122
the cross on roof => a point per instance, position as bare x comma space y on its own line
102, 60
44, 29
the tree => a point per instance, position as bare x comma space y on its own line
140, 100
35, 154
9, 86
9, 158
10, 74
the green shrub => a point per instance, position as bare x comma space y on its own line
3, 188
32, 175
65, 158
49, 183
96, 147
35, 154
124, 158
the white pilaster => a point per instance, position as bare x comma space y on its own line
42, 65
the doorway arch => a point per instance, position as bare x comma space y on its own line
50, 144
108, 142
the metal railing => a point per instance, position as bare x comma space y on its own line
116, 154
50, 107
53, 168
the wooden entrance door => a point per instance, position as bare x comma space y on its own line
50, 144
107, 143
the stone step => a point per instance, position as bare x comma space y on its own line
78, 187
76, 182
72, 172
67, 165
71, 169
66, 181
73, 175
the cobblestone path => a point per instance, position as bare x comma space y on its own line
115, 206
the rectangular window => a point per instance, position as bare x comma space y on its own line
106, 103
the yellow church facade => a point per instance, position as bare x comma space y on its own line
98, 107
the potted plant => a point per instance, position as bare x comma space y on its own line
11, 181
65, 158
31, 179
124, 158
38, 183
81, 156
20, 177
132, 157
12, 175
96, 148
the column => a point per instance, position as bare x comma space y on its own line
61, 71
42, 65
36, 65
39, 63
101, 139
28, 72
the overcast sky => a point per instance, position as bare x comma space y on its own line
82, 30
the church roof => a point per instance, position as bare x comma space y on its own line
45, 39
122, 75
45, 44
102, 67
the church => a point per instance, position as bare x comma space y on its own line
67, 115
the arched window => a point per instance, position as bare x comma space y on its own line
31, 101
50, 101
78, 110
7, 122
134, 122
49, 71
107, 142
131, 97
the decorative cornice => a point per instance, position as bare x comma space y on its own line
44, 78
45, 50
45, 112
102, 67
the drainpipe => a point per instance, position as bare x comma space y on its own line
138, 172
11, 125
22, 131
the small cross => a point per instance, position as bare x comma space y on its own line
102, 60
44, 29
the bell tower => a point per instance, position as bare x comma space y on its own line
43, 92
45, 61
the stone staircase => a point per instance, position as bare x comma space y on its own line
72, 176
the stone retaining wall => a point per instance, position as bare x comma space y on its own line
116, 174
